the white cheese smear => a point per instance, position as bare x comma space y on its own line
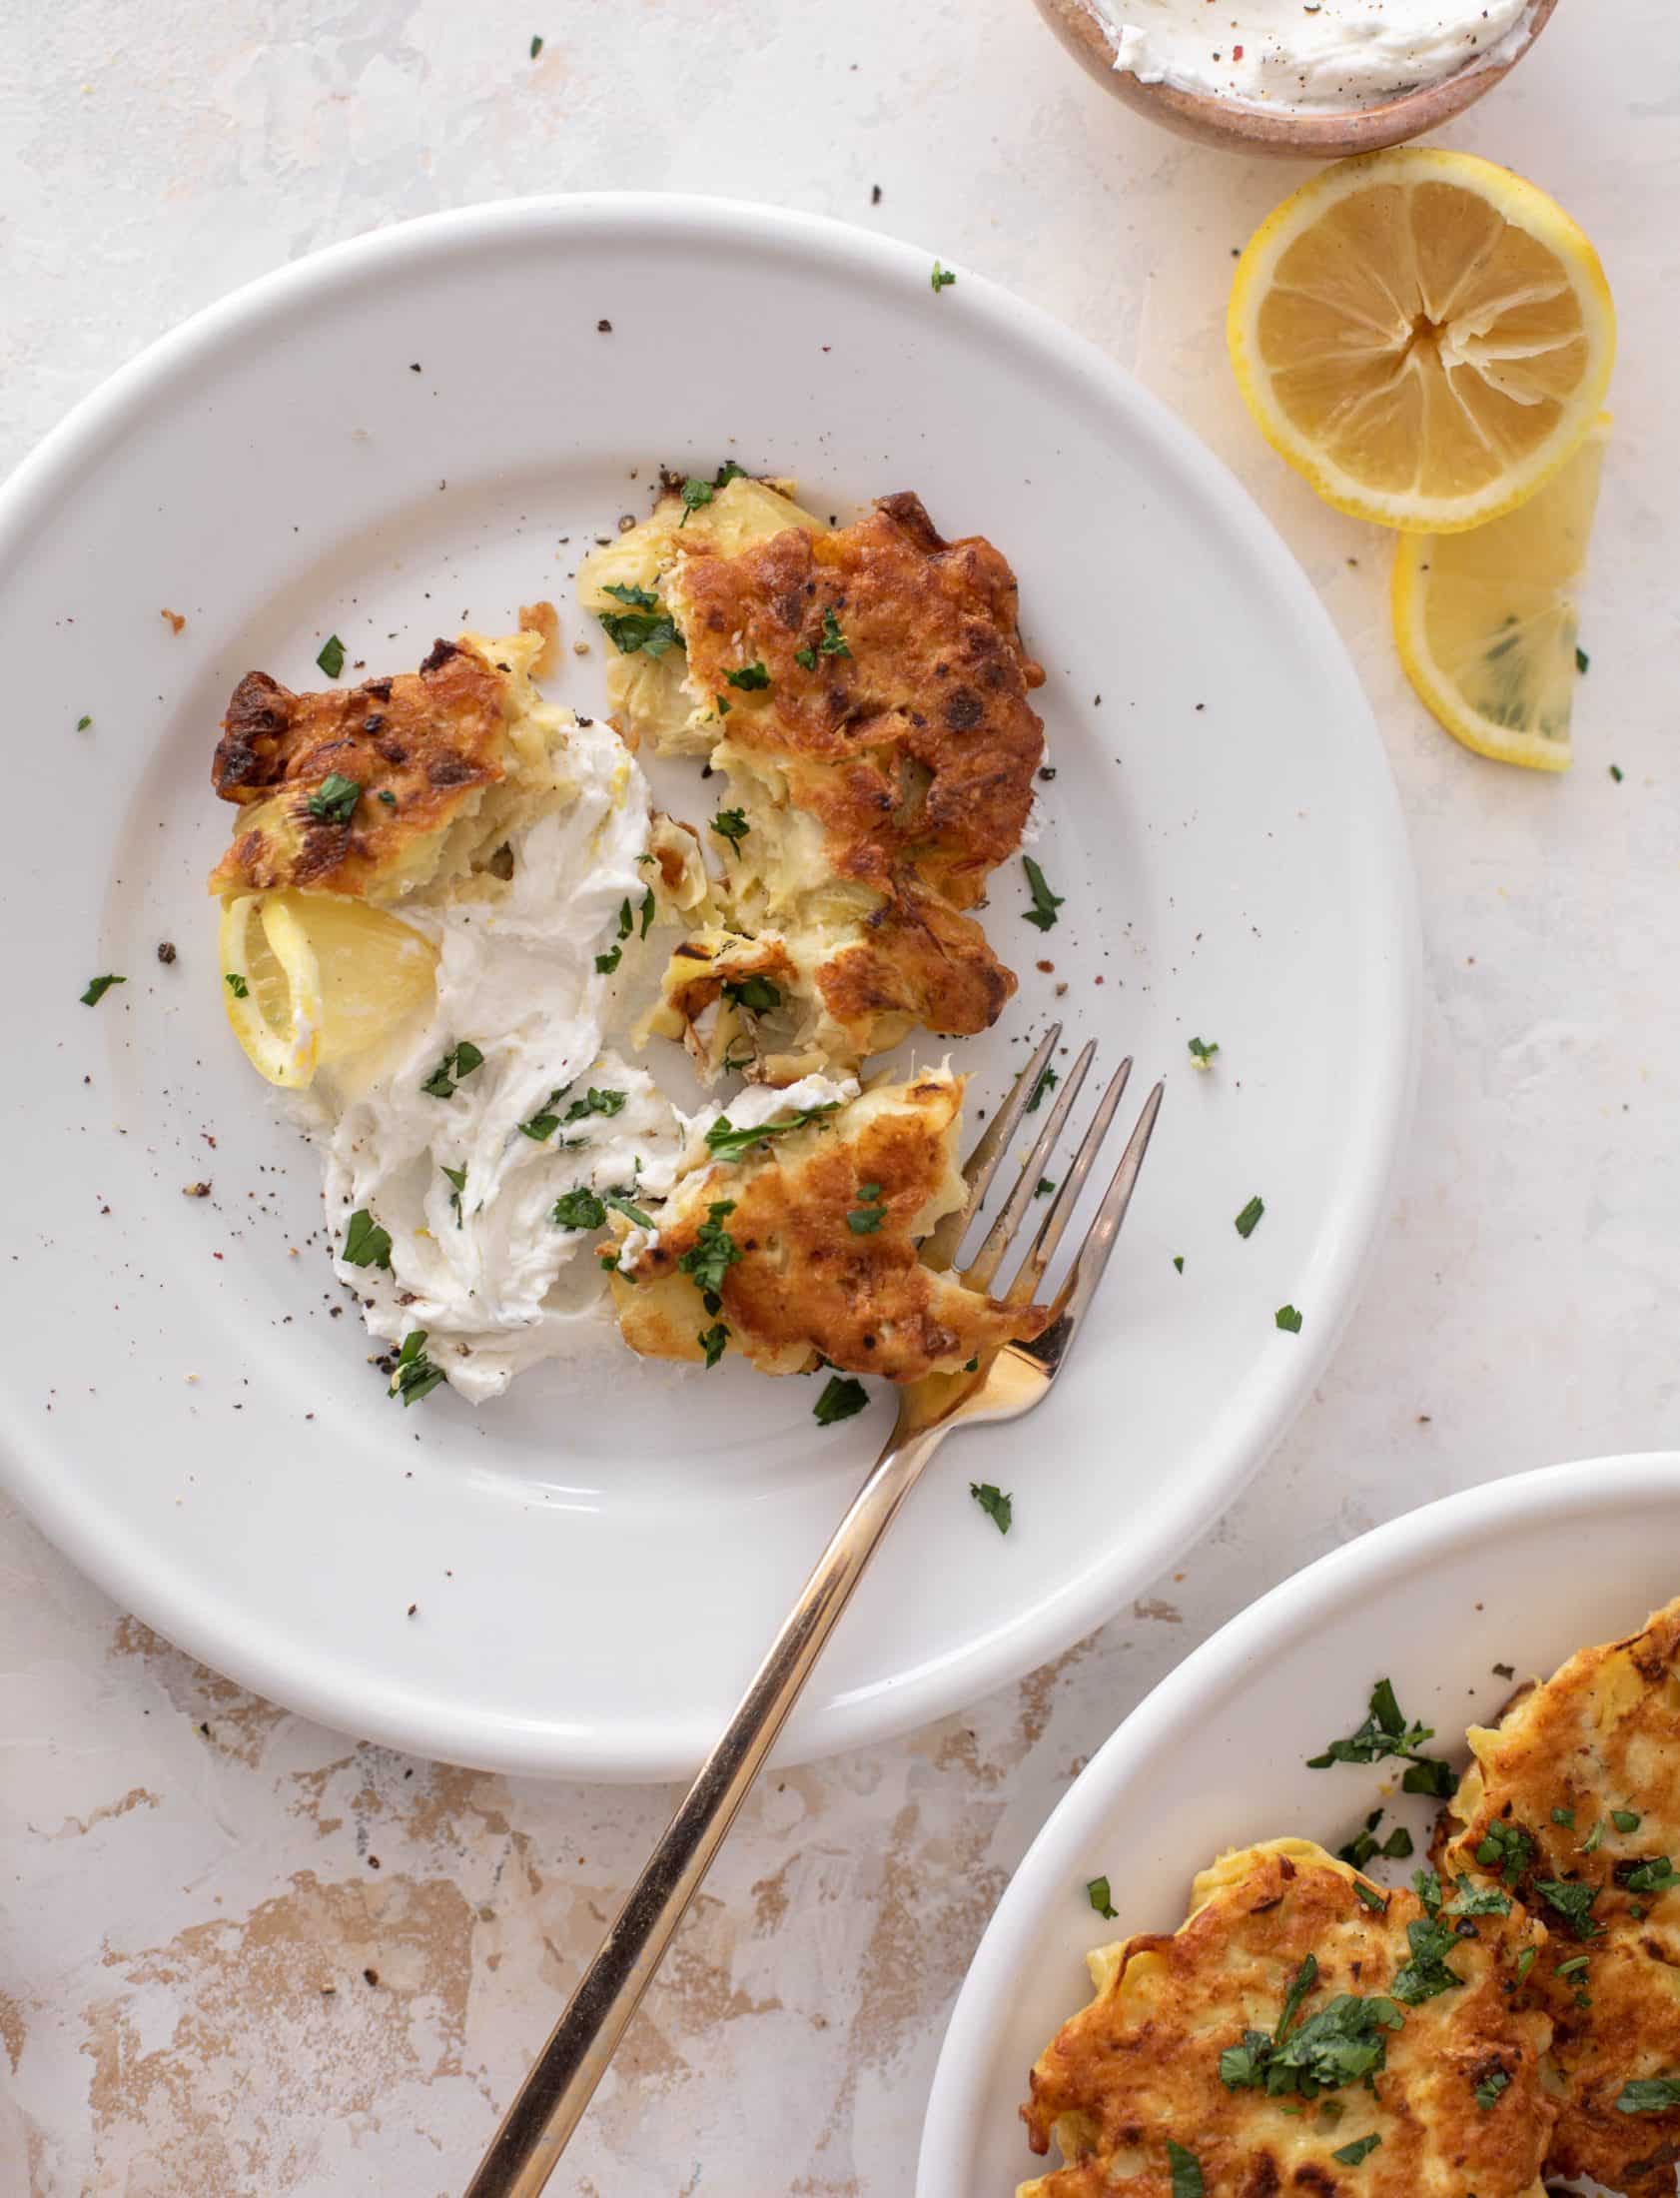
1283, 53
484, 1268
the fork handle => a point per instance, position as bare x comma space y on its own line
537, 2126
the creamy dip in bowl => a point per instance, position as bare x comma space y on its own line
1335, 76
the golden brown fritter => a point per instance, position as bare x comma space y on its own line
866, 690
1447, 2077
1573, 1801
807, 1246
420, 748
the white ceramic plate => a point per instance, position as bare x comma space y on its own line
597, 1562
1521, 1573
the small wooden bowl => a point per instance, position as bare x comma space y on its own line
1312, 134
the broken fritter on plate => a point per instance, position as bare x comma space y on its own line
864, 691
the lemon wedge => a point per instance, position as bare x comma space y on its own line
1484, 622
1424, 335
312, 978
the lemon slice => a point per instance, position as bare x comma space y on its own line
310, 979
1424, 335
1484, 622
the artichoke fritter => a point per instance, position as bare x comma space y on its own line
1573, 1802
866, 692
1303, 2030
804, 1246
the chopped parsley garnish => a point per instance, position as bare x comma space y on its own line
941, 277
1582, 659
332, 657
619, 1201
1525, 1962
1249, 1219
1657, 1876
1047, 1082
722, 704
1594, 1838
1649, 2095
732, 825
999, 1508
236, 986
597, 1102
1044, 902
1360, 2149
1477, 1901
1187, 2172
639, 632
756, 993
806, 658
1098, 1893
1384, 1732
388, 797
694, 493
712, 1340
866, 1219
1428, 1887
627, 592
1566, 1818
334, 800
1202, 1051
1572, 1901
1179, 1261
458, 1177
727, 472
1426, 1974
646, 910
606, 963
97, 989
1370, 1897
1043, 1187
1505, 1847
535, 47
841, 1397
751, 678
457, 1064
626, 920
1578, 1965
1288, 1318
1616, 772
729, 1143
833, 642
365, 1243
82, 723
580, 1209
1625, 1819
416, 1376
1342, 2043
714, 1251
1364, 1844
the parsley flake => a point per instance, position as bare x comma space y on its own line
713, 1339
756, 993
694, 493
332, 657
457, 1065
714, 1251
1624, 1819
833, 642
729, 1143
458, 1180
1202, 1051
1098, 1893
1426, 1975
334, 800
416, 1376
97, 989
805, 659
1649, 2095
365, 1243
82, 723
1505, 1847
606, 963
1047, 1082
941, 277
639, 632
1370, 1895
1582, 661
1187, 2172
732, 825
1249, 1219
627, 592
646, 911
1044, 902
535, 47
1656, 1876
619, 1201
999, 1508
1386, 1733
235, 984
1572, 1901
752, 678
841, 1397
1289, 1319
1360, 2149
580, 1209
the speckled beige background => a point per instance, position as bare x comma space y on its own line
241, 1954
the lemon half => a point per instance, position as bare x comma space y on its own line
1424, 335
1485, 624
312, 978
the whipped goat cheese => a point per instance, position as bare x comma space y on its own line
463, 1166
1283, 53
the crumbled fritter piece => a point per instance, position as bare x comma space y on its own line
1573, 1802
1450, 2084
821, 1260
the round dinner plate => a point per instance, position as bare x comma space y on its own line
1518, 1574
422, 429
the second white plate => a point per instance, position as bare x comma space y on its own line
422, 429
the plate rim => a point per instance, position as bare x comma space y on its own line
1276, 1619
349, 1697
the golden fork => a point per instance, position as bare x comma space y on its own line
537, 2126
